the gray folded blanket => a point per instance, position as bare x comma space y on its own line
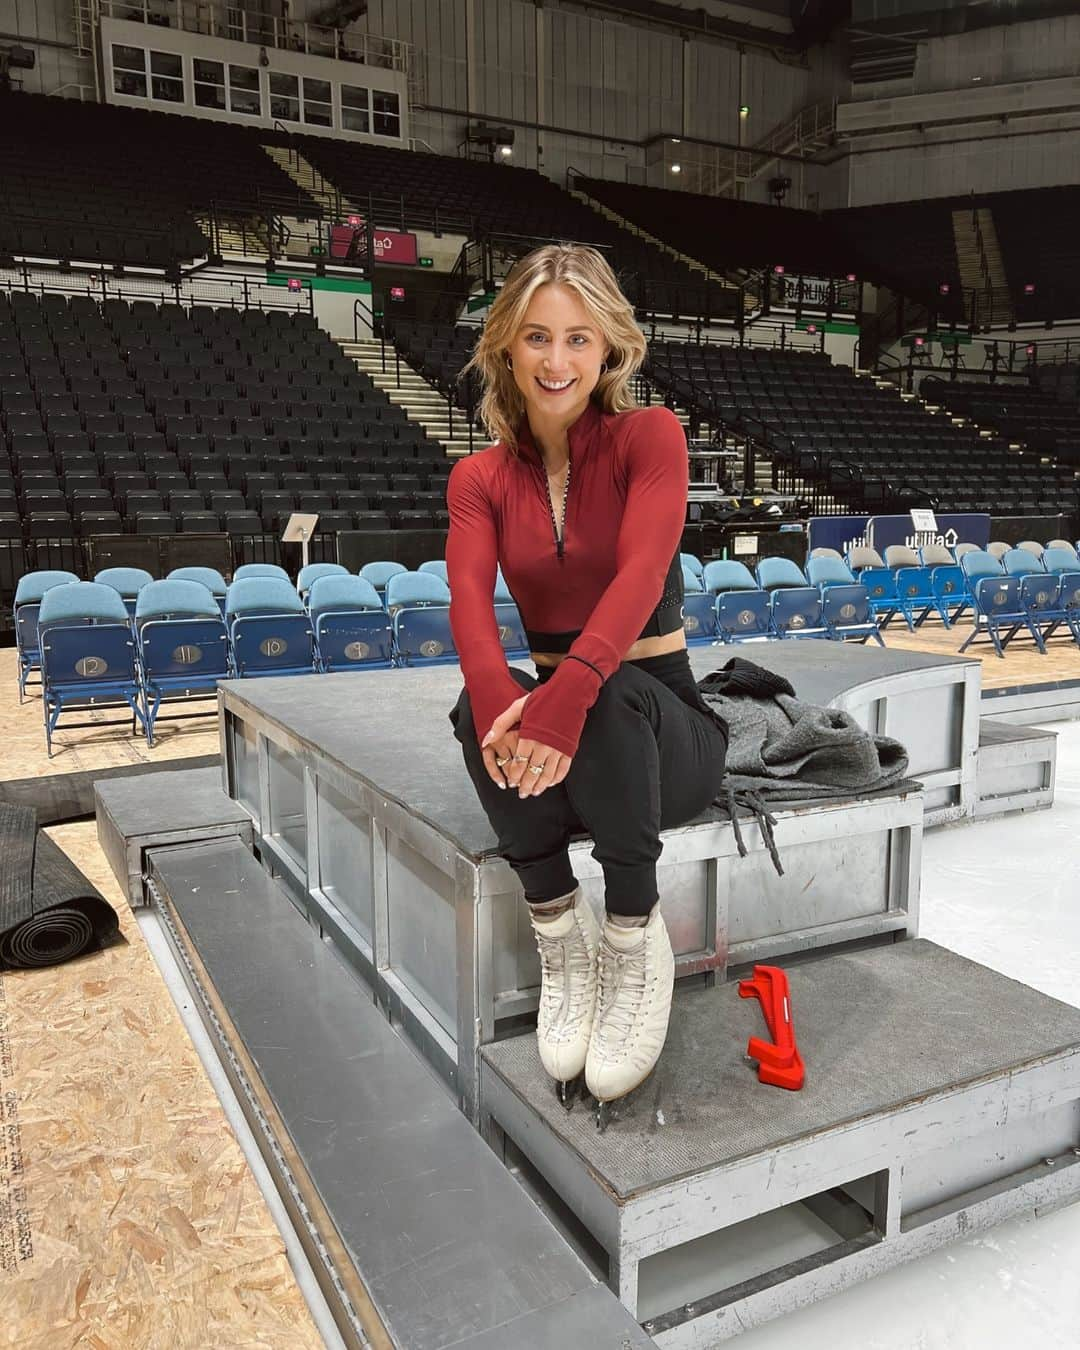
782, 749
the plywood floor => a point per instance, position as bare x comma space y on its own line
1022, 664
98, 747
129, 1219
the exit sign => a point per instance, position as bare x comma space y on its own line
426, 262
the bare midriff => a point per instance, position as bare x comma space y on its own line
653, 646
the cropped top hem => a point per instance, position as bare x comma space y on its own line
671, 669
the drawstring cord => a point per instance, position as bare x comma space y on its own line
751, 801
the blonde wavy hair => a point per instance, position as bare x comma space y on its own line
587, 272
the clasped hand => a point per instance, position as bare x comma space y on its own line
503, 742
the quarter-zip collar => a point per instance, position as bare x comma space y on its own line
579, 435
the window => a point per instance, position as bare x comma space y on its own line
129, 70
244, 96
166, 77
209, 84
355, 106
317, 107
285, 97
387, 118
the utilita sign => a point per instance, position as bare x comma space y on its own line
391, 246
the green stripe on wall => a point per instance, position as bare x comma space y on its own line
832, 326
322, 283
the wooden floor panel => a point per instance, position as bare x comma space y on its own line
129, 1218
1022, 663
96, 747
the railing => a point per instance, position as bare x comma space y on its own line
266, 30
810, 124
234, 290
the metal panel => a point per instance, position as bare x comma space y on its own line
390, 1188
934, 1138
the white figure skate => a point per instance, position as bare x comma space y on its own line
568, 948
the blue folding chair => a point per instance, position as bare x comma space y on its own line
946, 582
436, 566
127, 582
379, 574
182, 646
87, 655
774, 573
914, 584
352, 630
1019, 562
741, 606
28, 592
796, 612
826, 570
313, 571
794, 605
1040, 594
419, 608
1069, 600
698, 609
868, 568
270, 632
846, 614
1061, 560
209, 577
997, 603
249, 570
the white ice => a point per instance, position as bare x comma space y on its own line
1004, 893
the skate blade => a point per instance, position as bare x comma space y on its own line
611, 1111
569, 1091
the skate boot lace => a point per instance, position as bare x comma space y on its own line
621, 991
566, 967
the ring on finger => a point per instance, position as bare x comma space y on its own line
536, 768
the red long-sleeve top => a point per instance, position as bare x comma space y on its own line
625, 513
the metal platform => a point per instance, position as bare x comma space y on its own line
418, 1236
941, 1098
143, 811
1027, 704
387, 849
1017, 768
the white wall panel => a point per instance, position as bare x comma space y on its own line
999, 165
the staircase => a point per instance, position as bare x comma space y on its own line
305, 175
751, 302
237, 236
422, 402
979, 263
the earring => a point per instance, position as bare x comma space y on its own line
603, 367
509, 364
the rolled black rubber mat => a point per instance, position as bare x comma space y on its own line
49, 912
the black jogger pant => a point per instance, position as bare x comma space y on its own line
647, 761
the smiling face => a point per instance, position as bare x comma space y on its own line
557, 353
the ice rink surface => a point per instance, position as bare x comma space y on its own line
1005, 893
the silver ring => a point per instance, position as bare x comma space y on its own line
521, 759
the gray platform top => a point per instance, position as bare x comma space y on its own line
875, 1028
451, 1249
392, 728
168, 802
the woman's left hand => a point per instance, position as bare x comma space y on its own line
526, 754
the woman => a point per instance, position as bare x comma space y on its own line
582, 501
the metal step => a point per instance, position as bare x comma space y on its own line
724, 1202
304, 1029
